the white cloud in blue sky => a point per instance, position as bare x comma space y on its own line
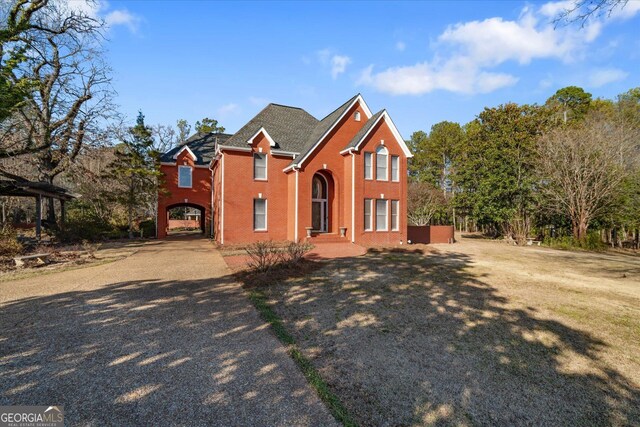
423, 61
468, 54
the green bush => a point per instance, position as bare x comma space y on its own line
148, 228
593, 242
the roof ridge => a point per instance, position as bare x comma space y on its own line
342, 105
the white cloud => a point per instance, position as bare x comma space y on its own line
554, 8
401, 46
336, 63
453, 76
467, 54
604, 76
123, 17
339, 65
626, 11
102, 10
228, 109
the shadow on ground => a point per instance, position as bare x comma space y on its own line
405, 338
151, 353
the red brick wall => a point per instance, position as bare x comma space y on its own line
431, 234
373, 189
183, 223
198, 195
241, 189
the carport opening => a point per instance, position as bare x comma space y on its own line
185, 219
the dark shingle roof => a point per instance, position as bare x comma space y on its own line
288, 126
201, 144
291, 128
321, 128
367, 126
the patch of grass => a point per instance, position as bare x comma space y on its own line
337, 409
18, 275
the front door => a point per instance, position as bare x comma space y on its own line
319, 206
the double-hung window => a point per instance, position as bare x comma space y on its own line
368, 165
184, 177
395, 168
259, 166
259, 214
368, 215
395, 206
381, 215
381, 163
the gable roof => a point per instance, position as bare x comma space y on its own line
325, 126
289, 128
359, 137
201, 145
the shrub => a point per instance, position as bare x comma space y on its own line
148, 228
263, 255
9, 244
294, 252
266, 255
593, 242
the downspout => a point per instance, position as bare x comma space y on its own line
353, 197
211, 210
222, 200
295, 231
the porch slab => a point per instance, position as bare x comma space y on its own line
335, 250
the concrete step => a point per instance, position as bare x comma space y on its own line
327, 238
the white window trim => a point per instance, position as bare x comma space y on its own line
397, 203
266, 167
266, 215
397, 169
386, 169
386, 225
371, 216
181, 167
364, 162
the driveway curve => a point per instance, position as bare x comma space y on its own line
163, 337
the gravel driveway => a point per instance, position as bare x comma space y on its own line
164, 337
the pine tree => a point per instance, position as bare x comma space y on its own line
136, 167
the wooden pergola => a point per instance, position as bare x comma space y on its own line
19, 187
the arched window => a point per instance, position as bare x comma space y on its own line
382, 155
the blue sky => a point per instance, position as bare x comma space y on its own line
423, 61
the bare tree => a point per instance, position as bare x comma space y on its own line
583, 167
165, 138
424, 200
583, 10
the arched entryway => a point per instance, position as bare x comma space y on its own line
185, 217
321, 201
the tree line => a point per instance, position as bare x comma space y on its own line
564, 168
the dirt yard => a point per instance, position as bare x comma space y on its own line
473, 333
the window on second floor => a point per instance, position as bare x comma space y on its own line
184, 177
395, 168
259, 166
381, 163
368, 165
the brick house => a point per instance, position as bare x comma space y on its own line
286, 175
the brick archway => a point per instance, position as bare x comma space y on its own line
201, 209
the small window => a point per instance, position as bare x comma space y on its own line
356, 116
381, 215
395, 168
381, 163
184, 176
395, 206
368, 215
368, 165
259, 166
259, 214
